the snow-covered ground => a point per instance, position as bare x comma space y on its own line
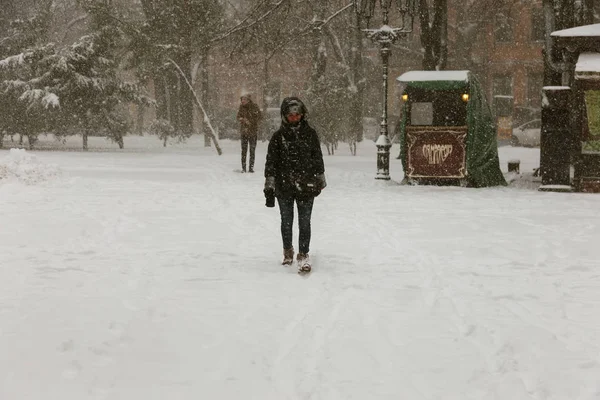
154, 273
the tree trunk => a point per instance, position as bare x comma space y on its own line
357, 69
160, 93
426, 36
434, 34
441, 21
188, 83
173, 98
316, 91
31, 139
266, 80
566, 14
319, 57
588, 12
139, 122
86, 129
204, 94
185, 107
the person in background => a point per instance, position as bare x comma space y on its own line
249, 116
294, 173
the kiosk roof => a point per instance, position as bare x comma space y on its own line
588, 62
428, 76
579, 31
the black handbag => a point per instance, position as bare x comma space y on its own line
309, 186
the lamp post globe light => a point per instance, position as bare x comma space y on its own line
403, 12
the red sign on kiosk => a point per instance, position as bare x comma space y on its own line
436, 152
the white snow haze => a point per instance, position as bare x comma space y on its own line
154, 273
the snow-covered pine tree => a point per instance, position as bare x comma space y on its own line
85, 78
71, 90
25, 107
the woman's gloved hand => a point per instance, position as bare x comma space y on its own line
269, 191
322, 181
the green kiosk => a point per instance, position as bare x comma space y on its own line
447, 134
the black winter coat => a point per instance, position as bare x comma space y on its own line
293, 155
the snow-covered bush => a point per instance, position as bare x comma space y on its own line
24, 167
164, 130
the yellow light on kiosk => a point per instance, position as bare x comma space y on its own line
465, 97
404, 97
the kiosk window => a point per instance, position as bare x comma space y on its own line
421, 114
591, 140
439, 108
449, 109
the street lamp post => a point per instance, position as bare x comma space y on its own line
385, 36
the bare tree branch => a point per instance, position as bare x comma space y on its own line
211, 132
243, 25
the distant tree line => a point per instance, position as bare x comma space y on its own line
71, 81
75, 67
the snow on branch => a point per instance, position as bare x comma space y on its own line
13, 61
82, 81
320, 23
11, 85
50, 100
335, 14
40, 97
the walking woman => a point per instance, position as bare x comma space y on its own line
294, 173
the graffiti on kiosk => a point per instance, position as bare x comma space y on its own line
436, 153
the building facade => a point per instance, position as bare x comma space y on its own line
506, 54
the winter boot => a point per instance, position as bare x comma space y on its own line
304, 264
288, 256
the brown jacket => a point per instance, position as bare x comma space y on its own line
249, 116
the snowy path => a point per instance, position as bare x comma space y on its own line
154, 274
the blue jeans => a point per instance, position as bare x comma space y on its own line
286, 209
